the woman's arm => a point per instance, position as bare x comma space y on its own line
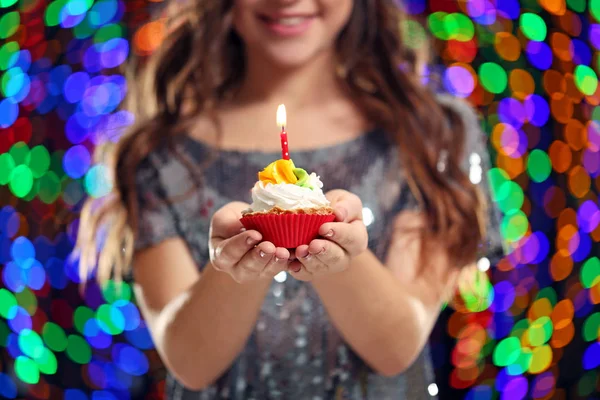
387, 314
199, 326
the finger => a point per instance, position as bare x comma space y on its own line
225, 222
228, 253
347, 206
277, 264
321, 255
306, 261
301, 251
297, 270
352, 237
255, 260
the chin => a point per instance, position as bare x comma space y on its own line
290, 56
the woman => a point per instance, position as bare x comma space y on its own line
339, 320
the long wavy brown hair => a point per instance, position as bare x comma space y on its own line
202, 56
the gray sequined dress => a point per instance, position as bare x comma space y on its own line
294, 352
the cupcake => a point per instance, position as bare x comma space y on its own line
288, 205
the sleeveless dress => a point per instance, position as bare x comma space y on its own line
294, 352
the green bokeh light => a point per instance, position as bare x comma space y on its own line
549, 294
590, 272
31, 343
522, 364
479, 296
595, 9
586, 80
12, 82
591, 327
32, 193
81, 316
576, 5
9, 24
9, 55
49, 187
587, 384
539, 165
436, 24
497, 178
520, 327
110, 319
113, 291
113, 31
7, 3
27, 370
7, 165
540, 331
459, 27
510, 197
514, 225
507, 352
533, 26
7, 304
53, 11
19, 152
78, 350
22, 181
46, 362
54, 337
493, 77
38, 160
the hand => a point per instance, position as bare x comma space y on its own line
343, 239
241, 253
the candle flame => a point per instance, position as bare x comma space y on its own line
281, 116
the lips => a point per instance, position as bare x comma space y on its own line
287, 25
291, 20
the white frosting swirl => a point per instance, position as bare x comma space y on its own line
288, 196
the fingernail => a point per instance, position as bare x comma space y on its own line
343, 213
242, 230
262, 254
277, 259
308, 256
251, 241
297, 268
329, 234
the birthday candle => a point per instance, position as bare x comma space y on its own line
281, 121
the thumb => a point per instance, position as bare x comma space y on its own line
347, 206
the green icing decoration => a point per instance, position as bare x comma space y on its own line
302, 176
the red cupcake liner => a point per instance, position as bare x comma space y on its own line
287, 230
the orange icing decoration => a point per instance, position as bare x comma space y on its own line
280, 171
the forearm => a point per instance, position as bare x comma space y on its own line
381, 318
200, 333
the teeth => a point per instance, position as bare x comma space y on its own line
290, 21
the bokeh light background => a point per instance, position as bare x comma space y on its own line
529, 66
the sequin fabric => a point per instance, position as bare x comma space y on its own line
294, 352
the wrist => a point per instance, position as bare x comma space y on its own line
330, 280
249, 286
